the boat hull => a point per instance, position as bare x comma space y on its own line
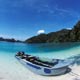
41, 70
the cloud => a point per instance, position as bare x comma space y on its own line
40, 7
40, 31
69, 28
57, 11
69, 12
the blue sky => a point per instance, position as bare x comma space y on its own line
22, 19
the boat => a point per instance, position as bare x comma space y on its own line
43, 67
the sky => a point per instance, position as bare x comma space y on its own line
22, 19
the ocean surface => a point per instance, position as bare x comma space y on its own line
50, 50
9, 64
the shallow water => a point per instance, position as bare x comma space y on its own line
59, 50
9, 65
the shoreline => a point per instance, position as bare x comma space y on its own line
13, 70
21, 73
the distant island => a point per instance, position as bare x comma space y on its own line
64, 35
9, 40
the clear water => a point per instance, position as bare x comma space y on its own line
59, 50
9, 65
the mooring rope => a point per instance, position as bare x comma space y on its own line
77, 76
75, 59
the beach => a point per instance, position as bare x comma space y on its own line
39, 37
8, 72
11, 69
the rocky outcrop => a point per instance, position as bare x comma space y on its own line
64, 35
75, 33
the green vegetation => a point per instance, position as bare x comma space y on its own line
9, 40
64, 35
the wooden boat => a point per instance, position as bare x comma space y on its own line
43, 67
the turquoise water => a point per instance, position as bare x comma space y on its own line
9, 65
59, 50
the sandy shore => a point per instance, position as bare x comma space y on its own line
11, 69
8, 72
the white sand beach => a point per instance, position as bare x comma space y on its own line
24, 74
13, 70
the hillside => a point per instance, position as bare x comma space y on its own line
64, 35
9, 40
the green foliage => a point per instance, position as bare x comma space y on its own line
63, 35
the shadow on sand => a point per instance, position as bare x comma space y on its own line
76, 60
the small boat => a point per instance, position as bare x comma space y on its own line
43, 67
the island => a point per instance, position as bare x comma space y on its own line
64, 35
9, 40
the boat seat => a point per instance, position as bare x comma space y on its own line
49, 63
39, 62
36, 60
42, 64
32, 59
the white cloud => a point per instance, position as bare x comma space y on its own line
69, 28
40, 31
69, 12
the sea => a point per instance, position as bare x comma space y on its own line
9, 64
48, 50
